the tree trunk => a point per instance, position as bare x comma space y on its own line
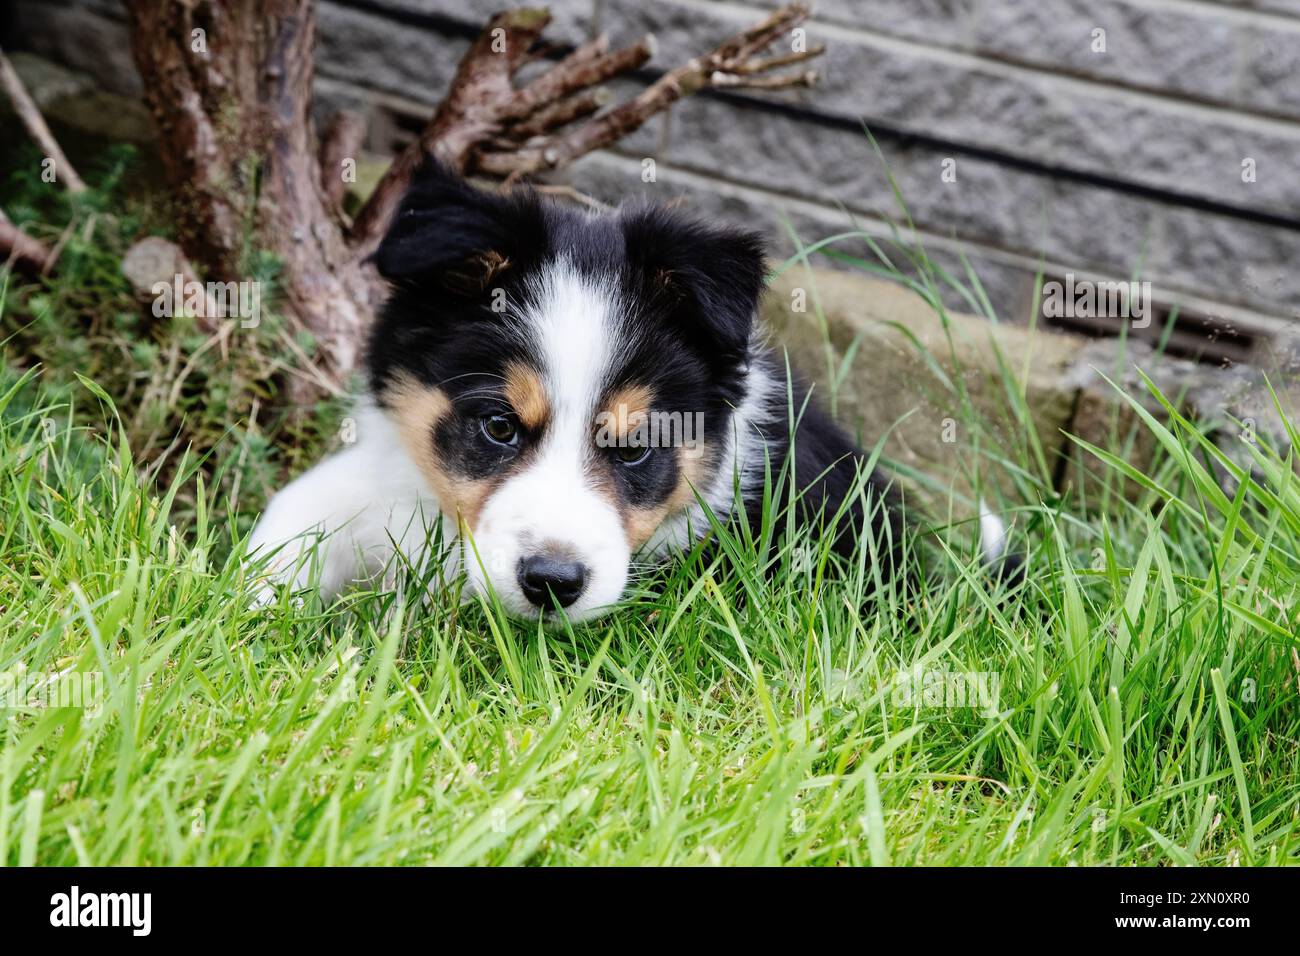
229, 87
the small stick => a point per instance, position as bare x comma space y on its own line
561, 113
35, 123
25, 253
776, 62
585, 67
742, 81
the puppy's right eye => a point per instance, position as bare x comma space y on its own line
632, 454
502, 429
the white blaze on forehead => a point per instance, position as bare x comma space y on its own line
573, 325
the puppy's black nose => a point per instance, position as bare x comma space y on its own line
544, 578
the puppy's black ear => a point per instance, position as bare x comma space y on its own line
448, 232
714, 275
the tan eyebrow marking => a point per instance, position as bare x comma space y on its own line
527, 395
627, 407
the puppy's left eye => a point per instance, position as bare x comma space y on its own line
632, 454
502, 429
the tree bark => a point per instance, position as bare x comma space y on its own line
340, 142
229, 87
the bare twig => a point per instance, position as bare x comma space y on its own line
743, 81
35, 123
580, 70
488, 126
776, 62
30, 255
561, 113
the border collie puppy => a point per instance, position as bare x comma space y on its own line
563, 392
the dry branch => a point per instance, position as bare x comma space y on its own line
560, 113
580, 70
485, 125
776, 62
732, 65
16, 247
35, 123
30, 255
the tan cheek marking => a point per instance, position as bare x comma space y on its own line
417, 409
527, 396
640, 523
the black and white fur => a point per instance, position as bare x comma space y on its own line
501, 301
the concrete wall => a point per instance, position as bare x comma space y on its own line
1111, 164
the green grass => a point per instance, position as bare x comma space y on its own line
1146, 708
